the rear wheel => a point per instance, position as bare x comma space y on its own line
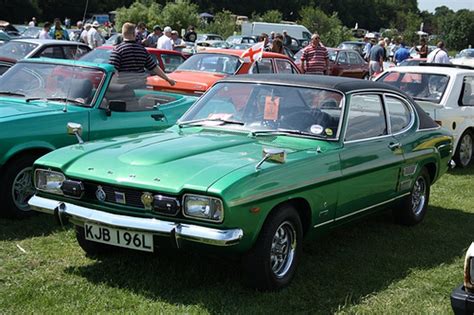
413, 207
92, 248
271, 264
464, 151
17, 188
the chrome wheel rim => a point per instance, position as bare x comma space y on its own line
283, 248
418, 196
465, 150
22, 188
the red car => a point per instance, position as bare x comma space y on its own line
168, 60
347, 63
202, 70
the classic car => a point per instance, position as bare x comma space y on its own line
411, 62
39, 97
255, 165
202, 45
347, 63
202, 37
168, 60
462, 297
354, 45
19, 49
446, 93
200, 71
242, 39
465, 57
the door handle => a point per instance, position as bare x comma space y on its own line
394, 145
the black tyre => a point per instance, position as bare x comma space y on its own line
93, 249
17, 188
271, 263
412, 209
464, 151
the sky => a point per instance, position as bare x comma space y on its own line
454, 5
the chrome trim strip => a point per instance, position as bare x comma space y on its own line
195, 233
373, 206
324, 223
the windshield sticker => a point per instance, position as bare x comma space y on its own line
316, 129
272, 104
224, 116
328, 131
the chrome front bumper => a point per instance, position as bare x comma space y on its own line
79, 215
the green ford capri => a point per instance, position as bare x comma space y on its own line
38, 98
254, 166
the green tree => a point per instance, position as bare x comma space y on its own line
223, 24
139, 11
272, 16
179, 14
459, 29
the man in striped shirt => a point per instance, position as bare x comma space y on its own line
130, 59
315, 58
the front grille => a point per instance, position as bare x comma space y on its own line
132, 197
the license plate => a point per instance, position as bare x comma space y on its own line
118, 237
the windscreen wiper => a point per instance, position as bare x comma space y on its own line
12, 93
280, 131
198, 122
63, 99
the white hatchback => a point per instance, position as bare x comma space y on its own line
446, 93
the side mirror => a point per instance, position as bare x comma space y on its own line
274, 155
116, 106
76, 130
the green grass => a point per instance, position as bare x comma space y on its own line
372, 266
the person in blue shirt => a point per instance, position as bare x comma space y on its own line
401, 54
58, 32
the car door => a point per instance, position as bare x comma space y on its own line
356, 62
343, 66
284, 66
370, 160
263, 66
133, 111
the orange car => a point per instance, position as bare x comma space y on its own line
200, 71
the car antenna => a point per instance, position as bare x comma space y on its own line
77, 48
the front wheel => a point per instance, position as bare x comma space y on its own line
413, 208
464, 151
271, 263
17, 188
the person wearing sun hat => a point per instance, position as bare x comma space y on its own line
94, 39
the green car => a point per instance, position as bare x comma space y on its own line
255, 165
38, 98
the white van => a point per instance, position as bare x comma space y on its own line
299, 32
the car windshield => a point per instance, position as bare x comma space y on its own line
467, 53
52, 81
209, 62
16, 49
32, 32
97, 56
269, 109
421, 86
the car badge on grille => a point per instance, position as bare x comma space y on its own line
100, 194
147, 200
120, 197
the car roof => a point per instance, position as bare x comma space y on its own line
345, 85
149, 49
68, 62
48, 41
239, 52
432, 69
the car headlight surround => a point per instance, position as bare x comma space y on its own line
204, 208
49, 181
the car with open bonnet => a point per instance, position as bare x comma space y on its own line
255, 165
38, 98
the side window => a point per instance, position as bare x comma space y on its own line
366, 118
342, 58
284, 66
467, 93
262, 66
171, 62
399, 113
74, 52
52, 52
354, 58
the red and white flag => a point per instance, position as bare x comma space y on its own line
254, 53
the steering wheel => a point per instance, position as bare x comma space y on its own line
300, 120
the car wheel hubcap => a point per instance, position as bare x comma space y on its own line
465, 150
418, 196
283, 249
22, 188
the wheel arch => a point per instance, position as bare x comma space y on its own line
432, 170
302, 207
467, 129
33, 150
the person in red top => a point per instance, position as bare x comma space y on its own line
315, 58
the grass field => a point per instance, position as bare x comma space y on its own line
373, 266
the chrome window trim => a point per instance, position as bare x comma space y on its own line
410, 108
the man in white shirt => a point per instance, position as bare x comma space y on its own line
439, 55
164, 42
44, 34
83, 37
94, 39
